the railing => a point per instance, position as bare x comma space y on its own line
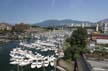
87, 64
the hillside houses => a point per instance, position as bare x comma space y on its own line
5, 26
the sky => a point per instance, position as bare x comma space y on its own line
34, 11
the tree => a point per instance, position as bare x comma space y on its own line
100, 52
79, 37
77, 41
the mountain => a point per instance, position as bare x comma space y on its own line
103, 21
60, 22
48, 23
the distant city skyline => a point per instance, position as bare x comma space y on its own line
34, 11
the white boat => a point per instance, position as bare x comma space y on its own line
24, 63
46, 61
44, 49
14, 62
21, 43
34, 64
47, 44
39, 63
56, 52
12, 59
11, 54
17, 61
52, 60
29, 56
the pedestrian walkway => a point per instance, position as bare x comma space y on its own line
98, 65
66, 65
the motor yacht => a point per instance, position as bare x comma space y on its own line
14, 62
24, 62
39, 63
34, 64
52, 60
46, 61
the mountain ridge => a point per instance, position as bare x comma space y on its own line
103, 20
47, 23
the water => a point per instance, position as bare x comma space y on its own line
5, 49
4, 55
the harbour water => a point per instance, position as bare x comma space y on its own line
5, 49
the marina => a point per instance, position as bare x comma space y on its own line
41, 53
53, 35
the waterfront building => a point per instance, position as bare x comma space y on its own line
5, 26
21, 27
90, 27
103, 27
100, 38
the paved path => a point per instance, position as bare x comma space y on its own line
65, 65
99, 65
